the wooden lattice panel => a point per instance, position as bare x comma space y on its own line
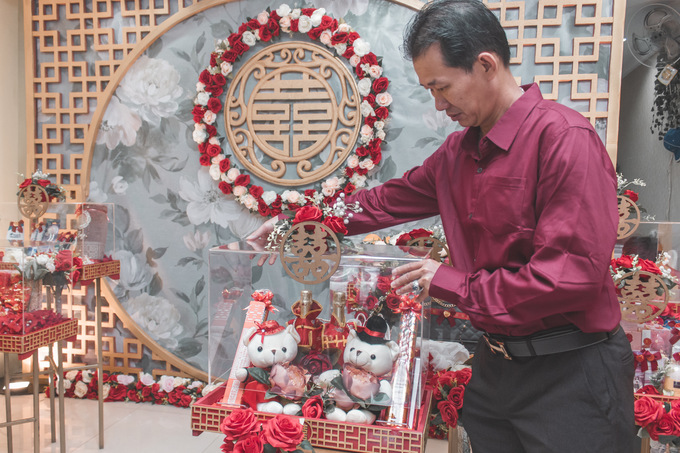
21, 344
206, 416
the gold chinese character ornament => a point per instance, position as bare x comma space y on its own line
310, 260
629, 217
33, 201
643, 296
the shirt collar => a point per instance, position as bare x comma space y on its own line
503, 133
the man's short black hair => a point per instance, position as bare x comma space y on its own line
462, 28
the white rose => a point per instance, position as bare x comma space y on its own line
42, 259
124, 379
158, 317
178, 380
106, 388
209, 117
328, 192
325, 37
384, 99
263, 17
283, 10
366, 130
364, 86
375, 71
250, 202
195, 385
353, 161
200, 87
361, 47
239, 190
87, 376
366, 109
119, 185
215, 172
367, 164
358, 180
285, 22
50, 265
290, 196
67, 384
317, 16
344, 28
214, 141
208, 388
354, 61
202, 98
81, 389
256, 33
380, 134
249, 38
232, 174
365, 139
71, 375
146, 379
199, 135
226, 68
341, 48
269, 197
296, 13
217, 159
379, 125
304, 24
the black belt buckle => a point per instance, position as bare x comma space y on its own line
497, 347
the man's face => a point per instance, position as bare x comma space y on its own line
461, 94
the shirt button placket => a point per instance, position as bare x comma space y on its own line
479, 170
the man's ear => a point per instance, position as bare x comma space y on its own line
489, 62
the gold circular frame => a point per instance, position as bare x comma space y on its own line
33, 201
309, 252
627, 225
638, 302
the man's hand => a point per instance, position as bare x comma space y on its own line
421, 272
258, 240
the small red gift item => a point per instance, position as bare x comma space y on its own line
306, 310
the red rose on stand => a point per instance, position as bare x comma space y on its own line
239, 423
380, 84
307, 214
63, 261
371, 302
313, 407
456, 396
256, 191
463, 376
242, 180
449, 413
26, 183
316, 363
336, 224
625, 261
250, 443
284, 432
647, 410
663, 427
632, 195
44, 182
649, 266
393, 301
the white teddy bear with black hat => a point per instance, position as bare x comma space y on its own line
363, 385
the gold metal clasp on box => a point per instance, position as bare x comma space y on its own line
499, 347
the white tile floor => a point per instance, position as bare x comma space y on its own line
128, 428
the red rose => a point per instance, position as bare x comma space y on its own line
309, 192
242, 180
204, 160
420, 233
294, 24
202, 147
349, 172
632, 195
253, 24
250, 443
361, 151
359, 72
349, 52
204, 77
273, 26
240, 47
235, 37
265, 34
307, 214
133, 396
376, 158
353, 37
649, 266
380, 84
403, 239
75, 276
647, 411
227, 446
215, 105
225, 187
336, 224
314, 33
370, 120
316, 363
63, 261
44, 182
307, 11
456, 396
393, 301
213, 150
369, 59
211, 130
213, 60
26, 183
117, 393
326, 22
625, 261
263, 209
256, 191
663, 427
225, 164
274, 16
449, 413
313, 407
185, 401
382, 112
219, 79
349, 188
229, 56
284, 432
463, 376
215, 90
239, 423
339, 38
371, 302
243, 28
276, 204
384, 284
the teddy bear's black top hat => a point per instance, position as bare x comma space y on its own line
374, 331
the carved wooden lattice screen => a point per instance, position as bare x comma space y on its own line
58, 34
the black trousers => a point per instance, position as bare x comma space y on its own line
578, 401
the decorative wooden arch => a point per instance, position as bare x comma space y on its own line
95, 89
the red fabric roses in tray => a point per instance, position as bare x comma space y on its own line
246, 434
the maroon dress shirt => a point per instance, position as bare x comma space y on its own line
530, 216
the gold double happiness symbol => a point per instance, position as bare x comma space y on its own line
33, 201
627, 224
640, 299
293, 116
311, 256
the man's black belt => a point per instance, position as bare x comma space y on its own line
551, 342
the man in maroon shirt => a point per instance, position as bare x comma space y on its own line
527, 197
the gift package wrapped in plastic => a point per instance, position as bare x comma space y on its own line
345, 354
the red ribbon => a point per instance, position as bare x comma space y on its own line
409, 305
265, 296
676, 356
266, 328
649, 357
370, 332
676, 335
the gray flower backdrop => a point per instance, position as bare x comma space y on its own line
169, 211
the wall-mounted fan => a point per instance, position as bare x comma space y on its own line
653, 35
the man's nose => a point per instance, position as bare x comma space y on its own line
440, 103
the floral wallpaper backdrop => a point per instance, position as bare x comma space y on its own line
169, 211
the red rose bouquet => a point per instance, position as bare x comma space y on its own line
658, 420
449, 389
54, 191
632, 263
623, 191
245, 433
